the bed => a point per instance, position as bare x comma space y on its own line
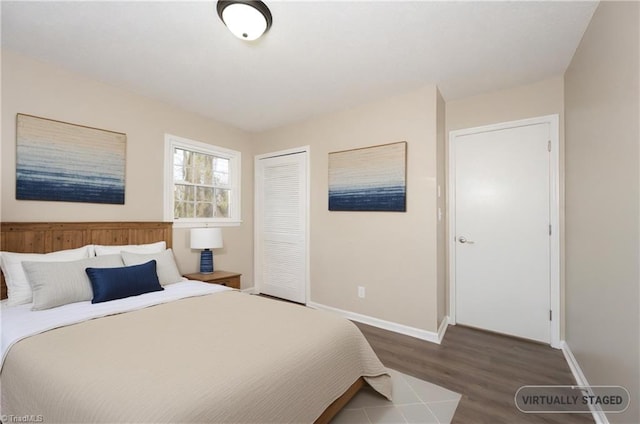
191, 352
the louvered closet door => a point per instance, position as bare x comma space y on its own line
281, 226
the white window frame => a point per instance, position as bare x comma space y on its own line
235, 161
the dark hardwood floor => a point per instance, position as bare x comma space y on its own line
486, 368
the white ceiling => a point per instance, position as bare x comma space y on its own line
319, 56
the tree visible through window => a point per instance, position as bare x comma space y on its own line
201, 185
203, 181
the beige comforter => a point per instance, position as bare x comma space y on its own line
227, 357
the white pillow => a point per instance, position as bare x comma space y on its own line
59, 283
18, 287
135, 248
166, 267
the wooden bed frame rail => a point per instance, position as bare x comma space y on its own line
45, 237
341, 402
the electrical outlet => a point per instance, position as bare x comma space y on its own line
361, 292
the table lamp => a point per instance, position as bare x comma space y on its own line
206, 239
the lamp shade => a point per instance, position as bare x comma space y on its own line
206, 238
247, 20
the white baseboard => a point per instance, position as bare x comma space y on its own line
250, 290
597, 412
418, 333
443, 328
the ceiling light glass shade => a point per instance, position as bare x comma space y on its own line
247, 20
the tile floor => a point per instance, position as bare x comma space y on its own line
414, 401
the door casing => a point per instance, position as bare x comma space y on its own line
554, 214
257, 211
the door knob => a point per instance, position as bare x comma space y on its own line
464, 240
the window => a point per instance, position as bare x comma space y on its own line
202, 183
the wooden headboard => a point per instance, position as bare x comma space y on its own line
45, 237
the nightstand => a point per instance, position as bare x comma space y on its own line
229, 279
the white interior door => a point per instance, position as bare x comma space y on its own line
281, 225
502, 230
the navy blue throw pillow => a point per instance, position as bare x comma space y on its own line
117, 283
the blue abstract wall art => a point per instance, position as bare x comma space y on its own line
369, 179
58, 161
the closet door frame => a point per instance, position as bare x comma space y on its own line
258, 213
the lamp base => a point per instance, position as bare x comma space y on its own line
206, 261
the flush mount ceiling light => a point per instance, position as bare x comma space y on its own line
247, 20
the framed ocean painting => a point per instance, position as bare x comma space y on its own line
58, 161
369, 179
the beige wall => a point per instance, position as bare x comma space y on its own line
522, 102
40, 89
393, 255
602, 201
